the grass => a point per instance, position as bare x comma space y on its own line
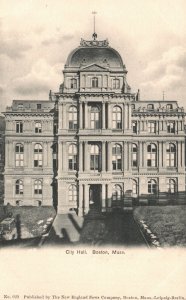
168, 223
29, 217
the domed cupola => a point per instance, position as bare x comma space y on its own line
95, 52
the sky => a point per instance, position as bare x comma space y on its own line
38, 35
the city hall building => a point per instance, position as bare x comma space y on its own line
94, 143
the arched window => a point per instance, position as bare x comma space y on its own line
116, 83
19, 158
152, 186
38, 128
117, 193
72, 157
116, 157
171, 155
172, 186
134, 155
94, 157
72, 193
72, 116
94, 82
19, 187
116, 117
134, 187
151, 155
73, 83
95, 117
38, 155
38, 187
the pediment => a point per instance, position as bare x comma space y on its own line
93, 67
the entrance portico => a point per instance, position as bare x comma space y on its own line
93, 196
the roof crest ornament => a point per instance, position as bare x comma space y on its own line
94, 43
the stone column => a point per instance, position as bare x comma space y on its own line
144, 154
109, 116
140, 154
103, 199
179, 154
129, 117
103, 115
60, 161
109, 157
64, 116
86, 116
86, 198
164, 155
129, 146
109, 197
80, 206
86, 156
103, 157
183, 154
80, 157
60, 116
80, 115
65, 157
125, 156
125, 117
160, 155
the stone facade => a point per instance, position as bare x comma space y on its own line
99, 143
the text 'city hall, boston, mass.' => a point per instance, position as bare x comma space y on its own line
94, 143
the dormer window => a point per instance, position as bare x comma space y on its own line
150, 106
38, 106
20, 106
116, 83
94, 82
73, 83
169, 106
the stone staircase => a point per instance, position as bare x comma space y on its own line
94, 214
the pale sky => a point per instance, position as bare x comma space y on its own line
37, 36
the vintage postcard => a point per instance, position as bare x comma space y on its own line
92, 150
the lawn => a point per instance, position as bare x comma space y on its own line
168, 223
32, 221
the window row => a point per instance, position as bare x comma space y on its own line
151, 106
95, 156
37, 127
19, 187
95, 83
152, 127
95, 117
118, 194
38, 155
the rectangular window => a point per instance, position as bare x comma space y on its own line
19, 127
152, 127
38, 106
134, 126
171, 127
151, 159
134, 159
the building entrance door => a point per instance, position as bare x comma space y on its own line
95, 196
